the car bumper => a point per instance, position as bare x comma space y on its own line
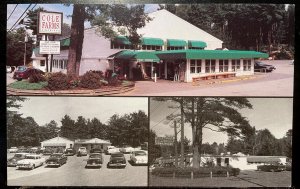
10, 164
53, 164
117, 164
140, 162
24, 166
94, 165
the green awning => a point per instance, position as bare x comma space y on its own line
122, 40
197, 44
141, 56
176, 43
209, 54
152, 41
65, 42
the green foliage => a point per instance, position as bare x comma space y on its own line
58, 81
90, 80
28, 86
36, 78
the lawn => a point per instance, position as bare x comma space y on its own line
24, 84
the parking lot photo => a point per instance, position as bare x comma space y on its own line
77, 141
220, 142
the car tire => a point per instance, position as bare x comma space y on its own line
19, 79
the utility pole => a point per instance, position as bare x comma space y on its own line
175, 144
25, 41
182, 134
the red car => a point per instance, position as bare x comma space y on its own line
23, 72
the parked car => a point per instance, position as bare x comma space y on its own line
8, 69
70, 152
31, 161
82, 151
111, 149
126, 149
56, 159
258, 66
117, 160
96, 150
139, 157
95, 160
23, 72
12, 162
13, 150
271, 167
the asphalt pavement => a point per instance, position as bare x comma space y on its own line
74, 173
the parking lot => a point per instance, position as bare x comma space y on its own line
73, 173
244, 179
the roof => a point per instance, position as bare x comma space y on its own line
209, 54
152, 41
91, 141
141, 56
176, 43
57, 140
197, 44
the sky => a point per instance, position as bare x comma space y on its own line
274, 114
67, 11
45, 109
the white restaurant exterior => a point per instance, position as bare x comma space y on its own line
164, 33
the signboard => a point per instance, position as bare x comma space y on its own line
49, 47
164, 141
50, 23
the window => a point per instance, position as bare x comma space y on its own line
223, 65
42, 63
199, 48
210, 66
246, 64
195, 66
151, 47
114, 45
236, 65
174, 48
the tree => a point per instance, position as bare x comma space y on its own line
288, 143
52, 129
67, 127
31, 22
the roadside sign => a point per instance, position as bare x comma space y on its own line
164, 141
50, 23
49, 47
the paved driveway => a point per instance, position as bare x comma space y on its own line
278, 83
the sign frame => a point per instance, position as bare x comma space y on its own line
164, 141
55, 43
49, 33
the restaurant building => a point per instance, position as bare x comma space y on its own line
170, 46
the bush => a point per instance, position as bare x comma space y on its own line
90, 80
28, 86
36, 78
58, 81
73, 81
100, 73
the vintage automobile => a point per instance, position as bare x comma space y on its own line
260, 66
96, 150
117, 160
139, 157
82, 151
23, 72
47, 151
31, 161
126, 149
70, 152
111, 149
276, 167
12, 162
13, 150
95, 160
56, 159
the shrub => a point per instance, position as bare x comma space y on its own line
58, 81
73, 81
28, 86
99, 72
36, 78
90, 80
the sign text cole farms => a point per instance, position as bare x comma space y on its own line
50, 23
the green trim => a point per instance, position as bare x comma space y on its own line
65, 42
176, 43
209, 54
141, 56
152, 41
197, 44
122, 40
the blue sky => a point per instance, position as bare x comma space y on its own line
67, 11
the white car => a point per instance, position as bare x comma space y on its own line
126, 149
82, 151
139, 157
111, 150
13, 150
31, 161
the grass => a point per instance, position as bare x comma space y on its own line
24, 84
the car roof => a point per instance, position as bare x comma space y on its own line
95, 154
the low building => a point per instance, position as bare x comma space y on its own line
91, 143
58, 142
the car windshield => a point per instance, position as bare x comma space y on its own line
82, 148
30, 157
140, 153
69, 150
117, 155
21, 68
18, 155
260, 63
55, 155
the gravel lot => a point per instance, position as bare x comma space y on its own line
73, 173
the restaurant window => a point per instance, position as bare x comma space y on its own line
236, 65
223, 65
42, 63
151, 47
247, 64
195, 66
174, 48
210, 66
114, 45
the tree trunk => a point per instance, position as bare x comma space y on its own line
77, 34
182, 134
175, 144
